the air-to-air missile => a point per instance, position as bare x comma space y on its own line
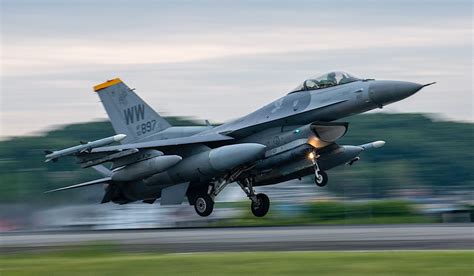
349, 154
373, 145
86, 147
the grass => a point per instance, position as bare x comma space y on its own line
262, 263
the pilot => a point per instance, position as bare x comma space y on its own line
311, 85
332, 79
345, 79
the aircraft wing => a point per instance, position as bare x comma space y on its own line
89, 183
196, 139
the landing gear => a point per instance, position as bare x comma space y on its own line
202, 197
261, 207
204, 205
320, 177
260, 202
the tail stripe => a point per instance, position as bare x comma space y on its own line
106, 84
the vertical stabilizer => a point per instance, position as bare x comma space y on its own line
127, 112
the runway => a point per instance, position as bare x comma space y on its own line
378, 237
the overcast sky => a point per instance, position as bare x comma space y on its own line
219, 60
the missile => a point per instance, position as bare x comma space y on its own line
373, 145
54, 155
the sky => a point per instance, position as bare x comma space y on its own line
220, 60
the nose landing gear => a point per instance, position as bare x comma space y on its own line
320, 177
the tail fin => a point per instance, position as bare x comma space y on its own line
127, 112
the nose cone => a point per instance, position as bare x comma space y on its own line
384, 92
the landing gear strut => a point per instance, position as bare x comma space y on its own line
260, 202
203, 197
320, 177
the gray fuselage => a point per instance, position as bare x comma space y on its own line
269, 124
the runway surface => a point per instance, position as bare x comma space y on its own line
378, 237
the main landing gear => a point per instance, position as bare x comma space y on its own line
204, 205
260, 202
261, 206
320, 177
204, 200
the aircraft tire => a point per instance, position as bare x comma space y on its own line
261, 208
322, 180
204, 205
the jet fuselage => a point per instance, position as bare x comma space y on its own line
282, 117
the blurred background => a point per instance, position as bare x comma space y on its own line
423, 174
218, 60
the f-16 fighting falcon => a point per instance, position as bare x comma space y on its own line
292, 137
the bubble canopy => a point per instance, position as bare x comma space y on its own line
327, 80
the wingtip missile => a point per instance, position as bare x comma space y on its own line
119, 137
83, 147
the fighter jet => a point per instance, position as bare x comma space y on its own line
292, 137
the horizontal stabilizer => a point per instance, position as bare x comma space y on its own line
82, 147
93, 182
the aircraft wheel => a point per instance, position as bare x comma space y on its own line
204, 205
321, 179
260, 208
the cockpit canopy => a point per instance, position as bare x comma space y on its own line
326, 80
